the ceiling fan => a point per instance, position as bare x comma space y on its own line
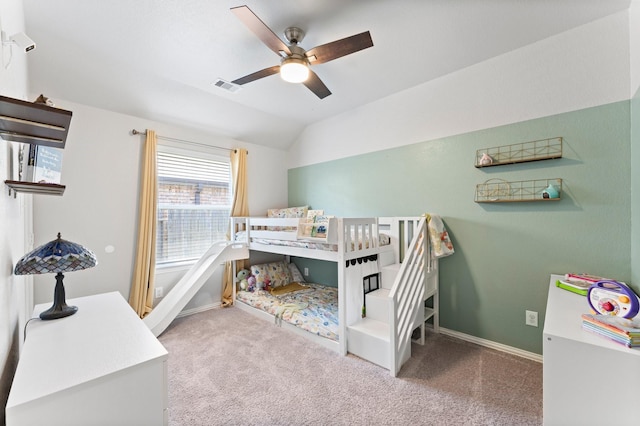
295, 63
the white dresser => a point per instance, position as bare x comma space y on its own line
101, 366
587, 379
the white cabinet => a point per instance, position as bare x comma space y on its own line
101, 366
587, 379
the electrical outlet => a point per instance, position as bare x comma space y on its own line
159, 292
531, 318
306, 272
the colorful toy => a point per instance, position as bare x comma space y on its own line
251, 281
242, 277
611, 297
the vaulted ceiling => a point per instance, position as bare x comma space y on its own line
158, 59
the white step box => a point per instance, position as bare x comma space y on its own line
369, 339
388, 275
378, 305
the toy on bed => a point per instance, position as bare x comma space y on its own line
242, 276
247, 280
307, 306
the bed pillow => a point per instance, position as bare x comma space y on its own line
296, 276
289, 288
289, 212
276, 274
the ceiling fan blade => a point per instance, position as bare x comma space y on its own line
260, 29
316, 85
257, 75
339, 48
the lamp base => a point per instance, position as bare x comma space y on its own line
59, 309
56, 312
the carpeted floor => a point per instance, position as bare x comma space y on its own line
228, 367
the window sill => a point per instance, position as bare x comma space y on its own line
168, 268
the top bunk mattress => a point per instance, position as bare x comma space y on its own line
383, 240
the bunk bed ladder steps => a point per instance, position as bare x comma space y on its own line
369, 337
408, 296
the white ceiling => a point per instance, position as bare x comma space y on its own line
157, 59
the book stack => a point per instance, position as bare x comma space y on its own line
624, 331
42, 164
578, 283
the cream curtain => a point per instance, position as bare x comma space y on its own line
239, 208
141, 296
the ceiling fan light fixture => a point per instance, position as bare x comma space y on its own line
294, 70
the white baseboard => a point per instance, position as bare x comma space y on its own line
492, 345
199, 309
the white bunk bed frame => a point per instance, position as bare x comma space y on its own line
356, 238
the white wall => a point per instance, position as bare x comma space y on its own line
567, 72
634, 46
99, 207
634, 52
13, 226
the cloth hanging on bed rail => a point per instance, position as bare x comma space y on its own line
441, 244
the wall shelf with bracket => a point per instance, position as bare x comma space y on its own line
28, 122
543, 149
34, 188
35, 124
501, 191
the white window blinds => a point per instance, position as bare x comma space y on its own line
194, 203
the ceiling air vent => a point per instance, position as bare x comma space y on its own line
229, 87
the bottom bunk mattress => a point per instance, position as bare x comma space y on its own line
311, 307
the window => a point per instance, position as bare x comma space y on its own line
194, 204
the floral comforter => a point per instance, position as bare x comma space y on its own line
314, 309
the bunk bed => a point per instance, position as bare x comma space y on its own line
340, 240
360, 248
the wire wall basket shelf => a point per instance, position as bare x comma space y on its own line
543, 149
501, 191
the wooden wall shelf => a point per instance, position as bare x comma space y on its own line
543, 149
28, 122
34, 188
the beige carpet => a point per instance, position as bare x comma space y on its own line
228, 367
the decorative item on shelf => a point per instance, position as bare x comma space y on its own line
42, 99
486, 159
57, 256
493, 190
41, 164
550, 192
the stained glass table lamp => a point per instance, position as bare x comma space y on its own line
56, 256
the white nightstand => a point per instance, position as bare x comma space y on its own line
587, 379
101, 366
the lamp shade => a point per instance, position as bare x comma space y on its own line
56, 256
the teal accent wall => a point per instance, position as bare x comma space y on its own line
505, 252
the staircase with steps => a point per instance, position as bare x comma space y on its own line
398, 307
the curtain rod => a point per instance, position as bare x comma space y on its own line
138, 132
